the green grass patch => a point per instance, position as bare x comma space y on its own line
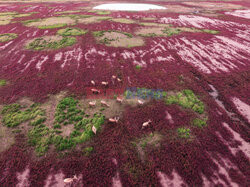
138, 67
7, 37
210, 31
183, 132
3, 82
103, 12
88, 150
67, 112
53, 26
199, 122
43, 44
71, 32
12, 115
186, 99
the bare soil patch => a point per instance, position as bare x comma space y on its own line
50, 107
5, 20
52, 21
93, 19
7, 138
119, 39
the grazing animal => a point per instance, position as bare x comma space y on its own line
92, 103
104, 103
114, 120
147, 123
141, 102
119, 80
70, 180
93, 82
105, 83
119, 99
113, 77
95, 91
94, 129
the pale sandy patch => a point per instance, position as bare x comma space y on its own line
5, 20
52, 21
117, 39
93, 19
7, 138
150, 31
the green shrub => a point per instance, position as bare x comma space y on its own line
57, 126
183, 132
38, 121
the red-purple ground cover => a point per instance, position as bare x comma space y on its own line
216, 67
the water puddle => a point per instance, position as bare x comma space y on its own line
129, 7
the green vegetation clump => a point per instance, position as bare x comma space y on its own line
12, 115
138, 67
40, 137
183, 132
54, 26
171, 31
186, 99
199, 122
67, 112
2, 82
7, 37
87, 151
71, 32
101, 33
42, 44
103, 12
210, 31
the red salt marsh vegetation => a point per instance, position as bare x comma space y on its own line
67, 117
